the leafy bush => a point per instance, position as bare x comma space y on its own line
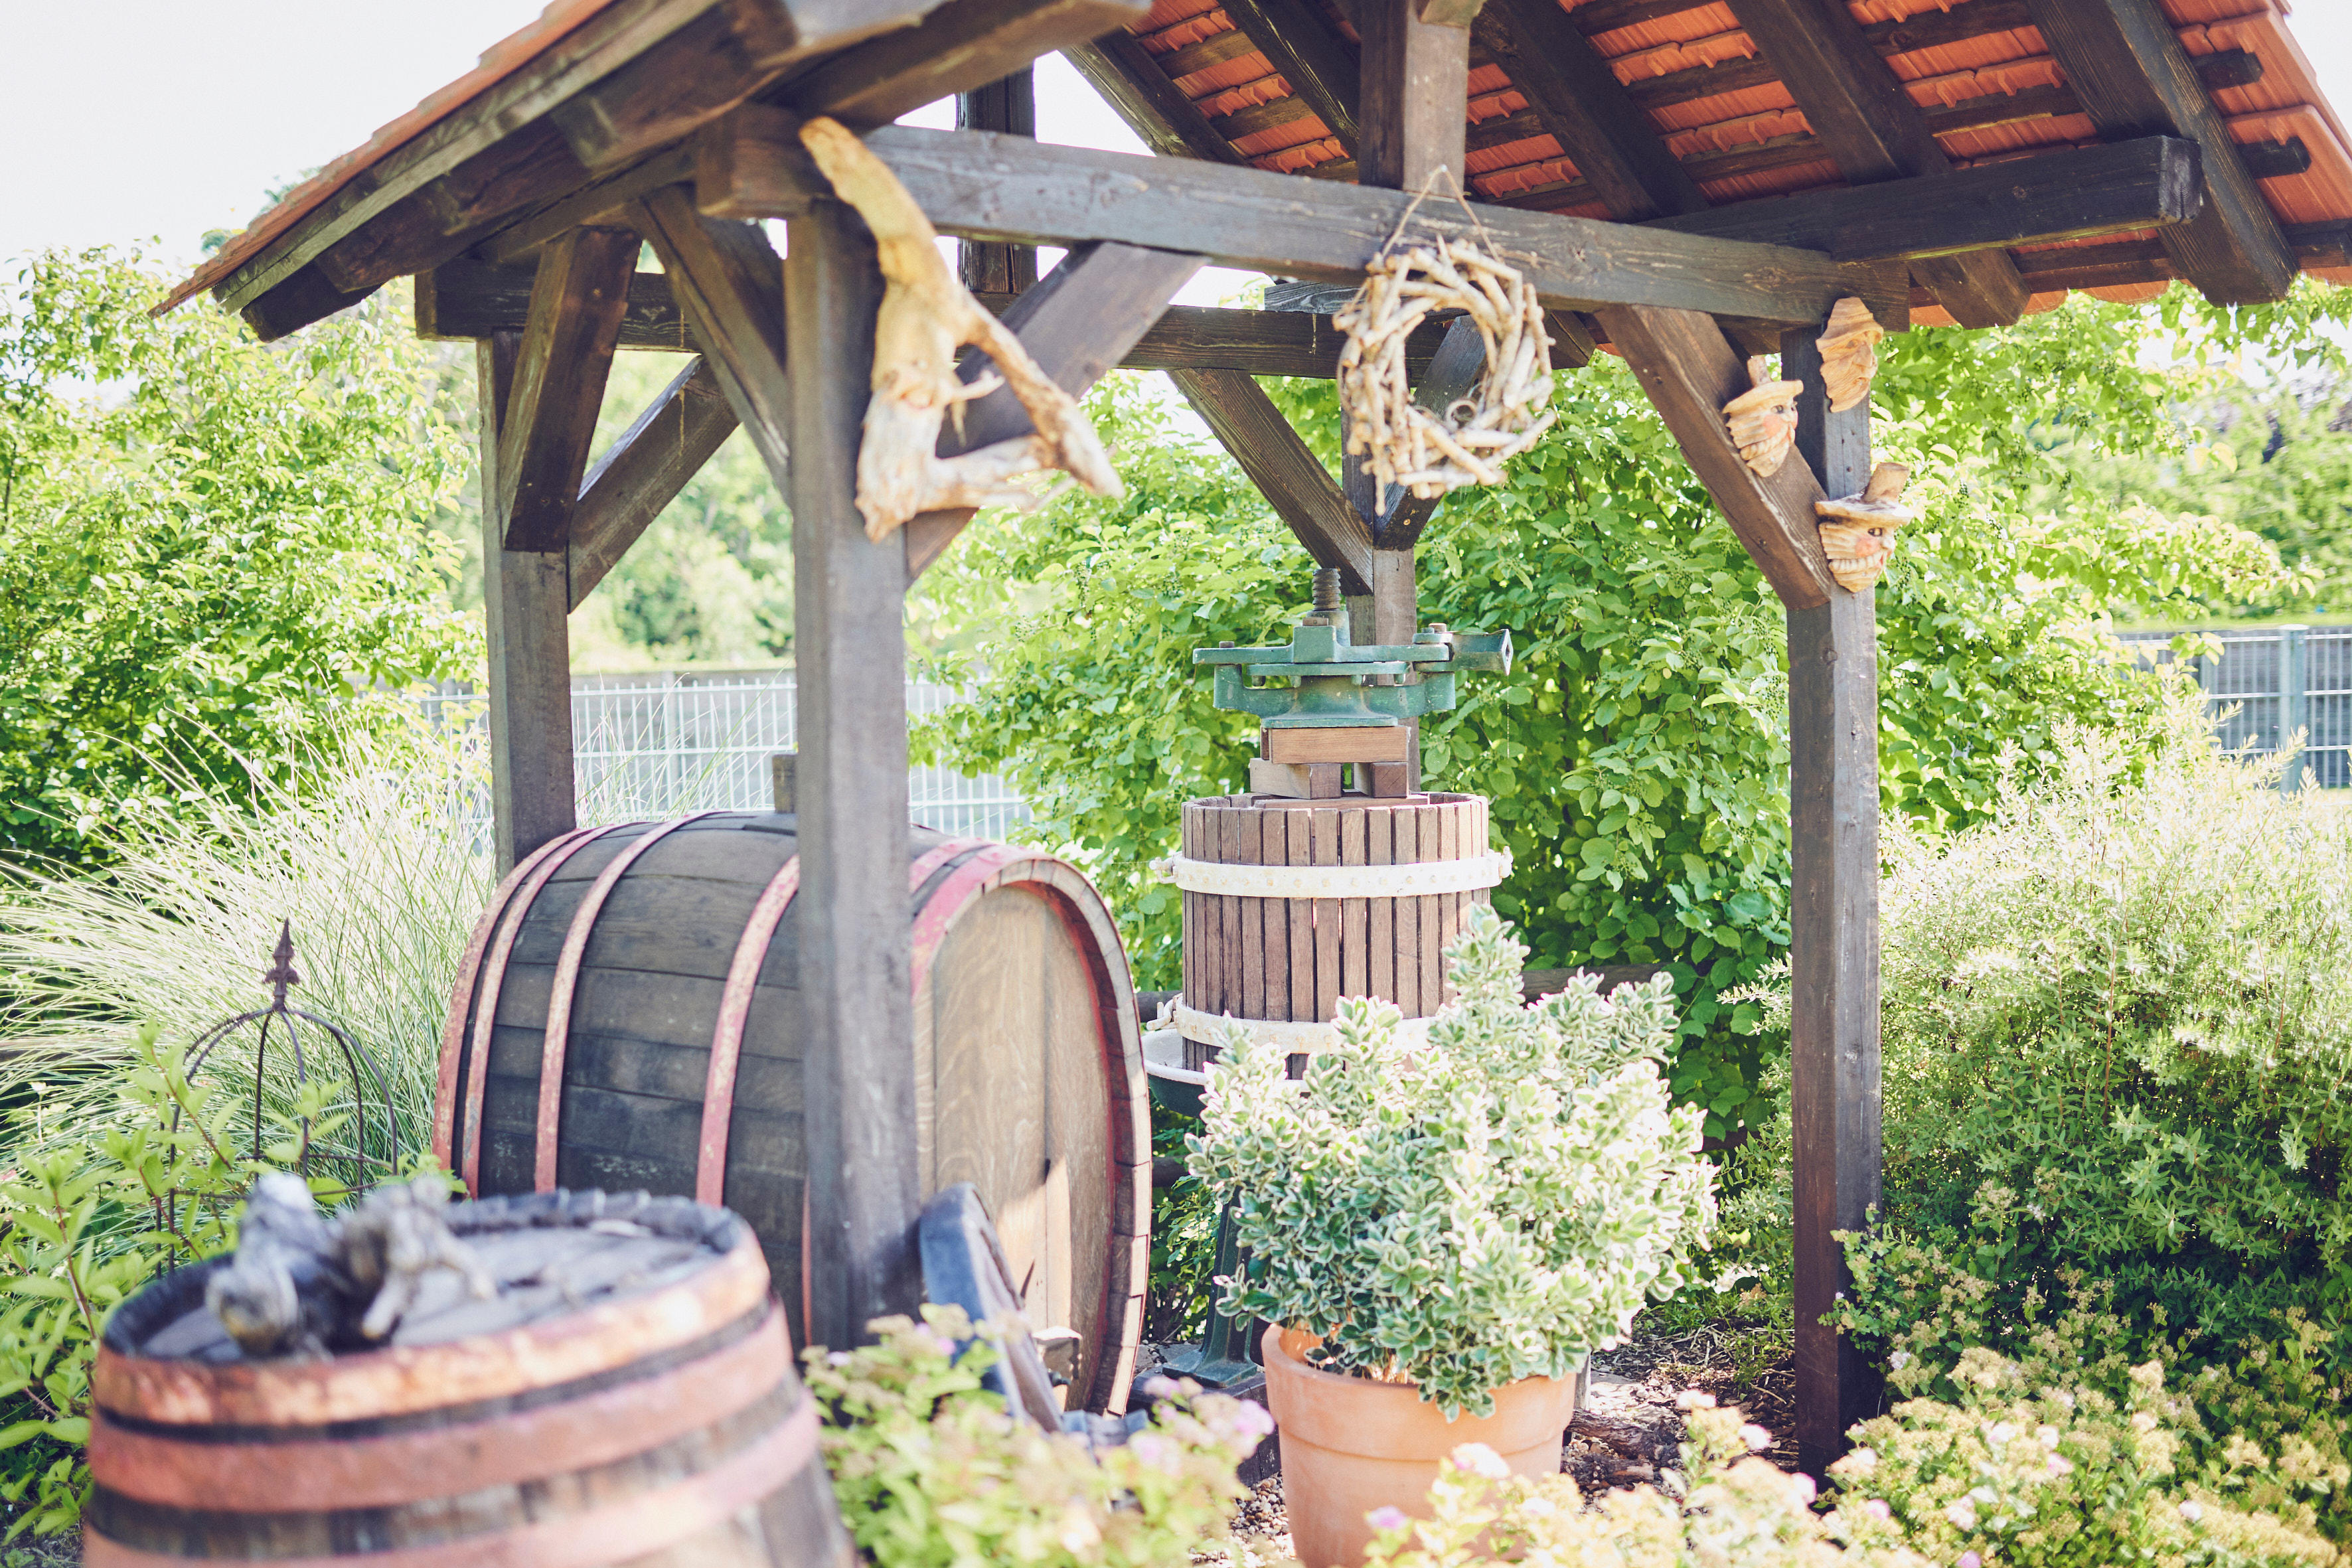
86, 1220
207, 545
2118, 1018
932, 1472
1725, 1508
1493, 1205
2062, 1474
1637, 755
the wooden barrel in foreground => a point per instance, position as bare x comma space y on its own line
1291, 904
627, 1016
628, 1399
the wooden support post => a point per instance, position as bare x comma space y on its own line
1411, 122
1010, 106
1833, 930
849, 645
525, 600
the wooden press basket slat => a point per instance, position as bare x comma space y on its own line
1293, 959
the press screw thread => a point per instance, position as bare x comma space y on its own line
1327, 591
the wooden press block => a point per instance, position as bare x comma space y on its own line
1356, 744
1294, 781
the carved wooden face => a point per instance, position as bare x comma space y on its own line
1858, 551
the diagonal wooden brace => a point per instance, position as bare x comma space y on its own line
576, 302
1077, 323
1690, 372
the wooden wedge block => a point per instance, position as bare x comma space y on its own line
1357, 743
1294, 781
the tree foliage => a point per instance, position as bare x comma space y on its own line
1637, 755
205, 543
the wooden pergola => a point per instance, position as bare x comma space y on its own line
1697, 181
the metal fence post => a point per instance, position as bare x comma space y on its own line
2295, 707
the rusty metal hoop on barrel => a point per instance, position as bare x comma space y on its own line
675, 1065
640, 1409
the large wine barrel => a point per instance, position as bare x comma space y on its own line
629, 1398
1291, 904
626, 1017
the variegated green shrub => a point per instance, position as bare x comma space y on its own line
1494, 1205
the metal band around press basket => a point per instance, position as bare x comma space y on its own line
1414, 881
1292, 1036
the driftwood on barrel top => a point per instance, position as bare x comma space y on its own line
300, 1284
927, 314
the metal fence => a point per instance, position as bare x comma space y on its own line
2279, 680
664, 743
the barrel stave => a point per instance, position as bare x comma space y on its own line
647, 1000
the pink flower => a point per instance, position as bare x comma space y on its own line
1876, 1508
1969, 1560
1385, 1519
1480, 1459
1253, 1419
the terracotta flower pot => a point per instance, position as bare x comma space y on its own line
1351, 1444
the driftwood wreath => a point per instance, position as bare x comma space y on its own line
927, 314
1430, 452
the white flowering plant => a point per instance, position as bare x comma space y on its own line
932, 1472
1724, 1507
1493, 1204
2020, 1474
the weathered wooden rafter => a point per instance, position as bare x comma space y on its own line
643, 471
466, 300
1123, 71
572, 327
1866, 121
1077, 323
1690, 372
1572, 93
573, 116
1009, 188
2125, 62
2074, 195
1320, 66
1292, 479
729, 287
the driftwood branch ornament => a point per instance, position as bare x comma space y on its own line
1763, 420
1858, 531
1849, 348
927, 314
1430, 452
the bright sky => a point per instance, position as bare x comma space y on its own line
199, 110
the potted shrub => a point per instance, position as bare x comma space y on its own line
1441, 1234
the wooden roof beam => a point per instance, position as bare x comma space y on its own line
643, 471
1121, 70
1294, 482
1690, 371
467, 300
1320, 66
1869, 124
2127, 66
1031, 192
1079, 322
629, 82
550, 417
2074, 195
1577, 98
